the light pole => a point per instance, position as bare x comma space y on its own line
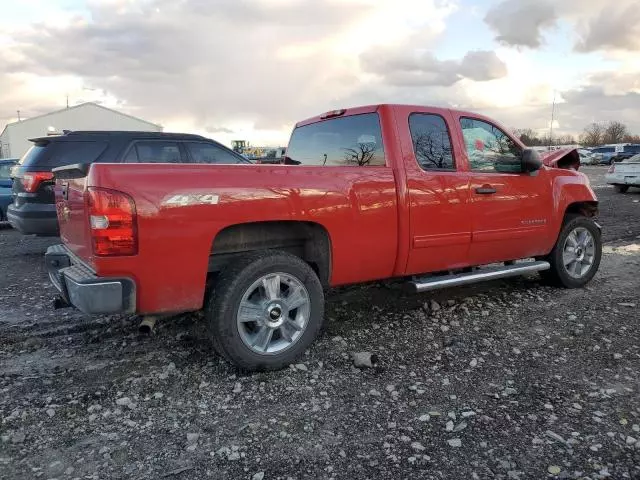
553, 111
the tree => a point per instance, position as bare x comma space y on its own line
593, 135
527, 136
433, 150
361, 156
615, 132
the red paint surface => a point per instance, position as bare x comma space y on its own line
382, 222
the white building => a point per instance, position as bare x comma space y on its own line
14, 140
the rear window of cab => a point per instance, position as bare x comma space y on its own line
355, 140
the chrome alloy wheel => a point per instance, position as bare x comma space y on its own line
579, 252
273, 313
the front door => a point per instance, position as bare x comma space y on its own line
509, 209
440, 226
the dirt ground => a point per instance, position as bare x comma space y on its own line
507, 380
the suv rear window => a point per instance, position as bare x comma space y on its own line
355, 140
56, 154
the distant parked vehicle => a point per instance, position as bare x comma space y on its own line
625, 174
587, 157
6, 164
33, 210
624, 152
605, 154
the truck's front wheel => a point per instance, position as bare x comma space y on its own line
575, 258
265, 310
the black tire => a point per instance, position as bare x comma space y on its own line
558, 275
224, 301
621, 188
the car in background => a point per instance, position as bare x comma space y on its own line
625, 174
604, 154
624, 152
587, 157
6, 197
33, 210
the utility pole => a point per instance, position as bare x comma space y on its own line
67, 100
19, 116
553, 111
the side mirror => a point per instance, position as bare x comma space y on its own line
531, 161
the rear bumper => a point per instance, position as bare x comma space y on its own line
632, 178
81, 287
34, 219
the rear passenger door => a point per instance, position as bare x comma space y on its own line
440, 225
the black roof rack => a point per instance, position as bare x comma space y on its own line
118, 133
133, 133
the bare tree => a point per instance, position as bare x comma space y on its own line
631, 139
431, 151
362, 155
615, 132
593, 135
527, 136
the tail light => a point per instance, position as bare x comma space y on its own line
112, 219
32, 180
612, 168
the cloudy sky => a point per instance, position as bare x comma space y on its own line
250, 68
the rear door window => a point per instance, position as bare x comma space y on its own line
202, 152
158, 152
431, 142
355, 140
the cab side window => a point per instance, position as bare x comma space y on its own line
490, 149
431, 142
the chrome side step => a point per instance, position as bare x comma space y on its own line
426, 284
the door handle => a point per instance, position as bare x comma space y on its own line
486, 190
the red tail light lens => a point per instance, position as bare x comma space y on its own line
32, 180
112, 219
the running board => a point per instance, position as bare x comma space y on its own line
426, 284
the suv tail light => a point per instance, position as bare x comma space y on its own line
32, 180
612, 168
112, 219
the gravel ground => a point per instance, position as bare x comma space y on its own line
507, 380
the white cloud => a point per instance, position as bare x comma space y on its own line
250, 68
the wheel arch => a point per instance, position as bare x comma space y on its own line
308, 240
585, 208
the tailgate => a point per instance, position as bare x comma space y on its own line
627, 168
73, 218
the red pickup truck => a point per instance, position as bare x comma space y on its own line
437, 196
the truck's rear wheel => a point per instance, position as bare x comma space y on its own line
265, 310
575, 258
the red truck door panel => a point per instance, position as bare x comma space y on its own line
509, 209
440, 226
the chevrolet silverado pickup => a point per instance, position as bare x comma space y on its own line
435, 196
